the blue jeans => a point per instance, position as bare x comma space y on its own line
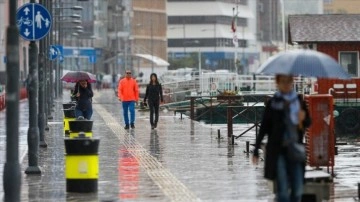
84, 113
289, 176
129, 106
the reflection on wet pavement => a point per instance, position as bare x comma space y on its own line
181, 160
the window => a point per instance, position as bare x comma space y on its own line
226, 20
349, 60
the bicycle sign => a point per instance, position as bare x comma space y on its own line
34, 21
25, 21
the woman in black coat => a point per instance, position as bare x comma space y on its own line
154, 96
285, 111
83, 95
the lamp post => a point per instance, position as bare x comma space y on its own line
93, 45
76, 20
283, 23
77, 61
152, 44
12, 174
33, 130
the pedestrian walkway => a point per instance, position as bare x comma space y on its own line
182, 160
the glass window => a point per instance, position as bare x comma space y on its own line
349, 60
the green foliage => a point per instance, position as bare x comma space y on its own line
190, 61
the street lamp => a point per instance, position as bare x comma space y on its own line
283, 22
76, 19
152, 44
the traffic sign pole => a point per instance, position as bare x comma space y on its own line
33, 131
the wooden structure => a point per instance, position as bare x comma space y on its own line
337, 35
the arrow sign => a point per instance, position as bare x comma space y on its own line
56, 51
34, 21
26, 10
53, 53
27, 33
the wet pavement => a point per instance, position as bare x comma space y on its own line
182, 160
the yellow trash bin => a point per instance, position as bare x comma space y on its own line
81, 165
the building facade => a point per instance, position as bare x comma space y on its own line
341, 6
204, 27
136, 35
270, 24
23, 45
149, 39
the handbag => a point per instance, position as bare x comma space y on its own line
296, 152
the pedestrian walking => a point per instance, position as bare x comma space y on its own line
284, 122
83, 95
128, 94
114, 83
99, 78
153, 96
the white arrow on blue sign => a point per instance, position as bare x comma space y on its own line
34, 21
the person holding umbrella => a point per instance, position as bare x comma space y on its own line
154, 96
286, 117
83, 95
284, 120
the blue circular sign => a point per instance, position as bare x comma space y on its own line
54, 52
34, 21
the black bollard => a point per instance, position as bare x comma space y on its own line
232, 140
80, 126
247, 147
219, 136
69, 115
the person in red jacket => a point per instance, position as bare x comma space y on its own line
128, 94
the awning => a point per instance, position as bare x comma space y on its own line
156, 60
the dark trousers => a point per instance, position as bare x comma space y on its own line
84, 113
154, 110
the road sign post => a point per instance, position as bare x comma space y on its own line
34, 22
